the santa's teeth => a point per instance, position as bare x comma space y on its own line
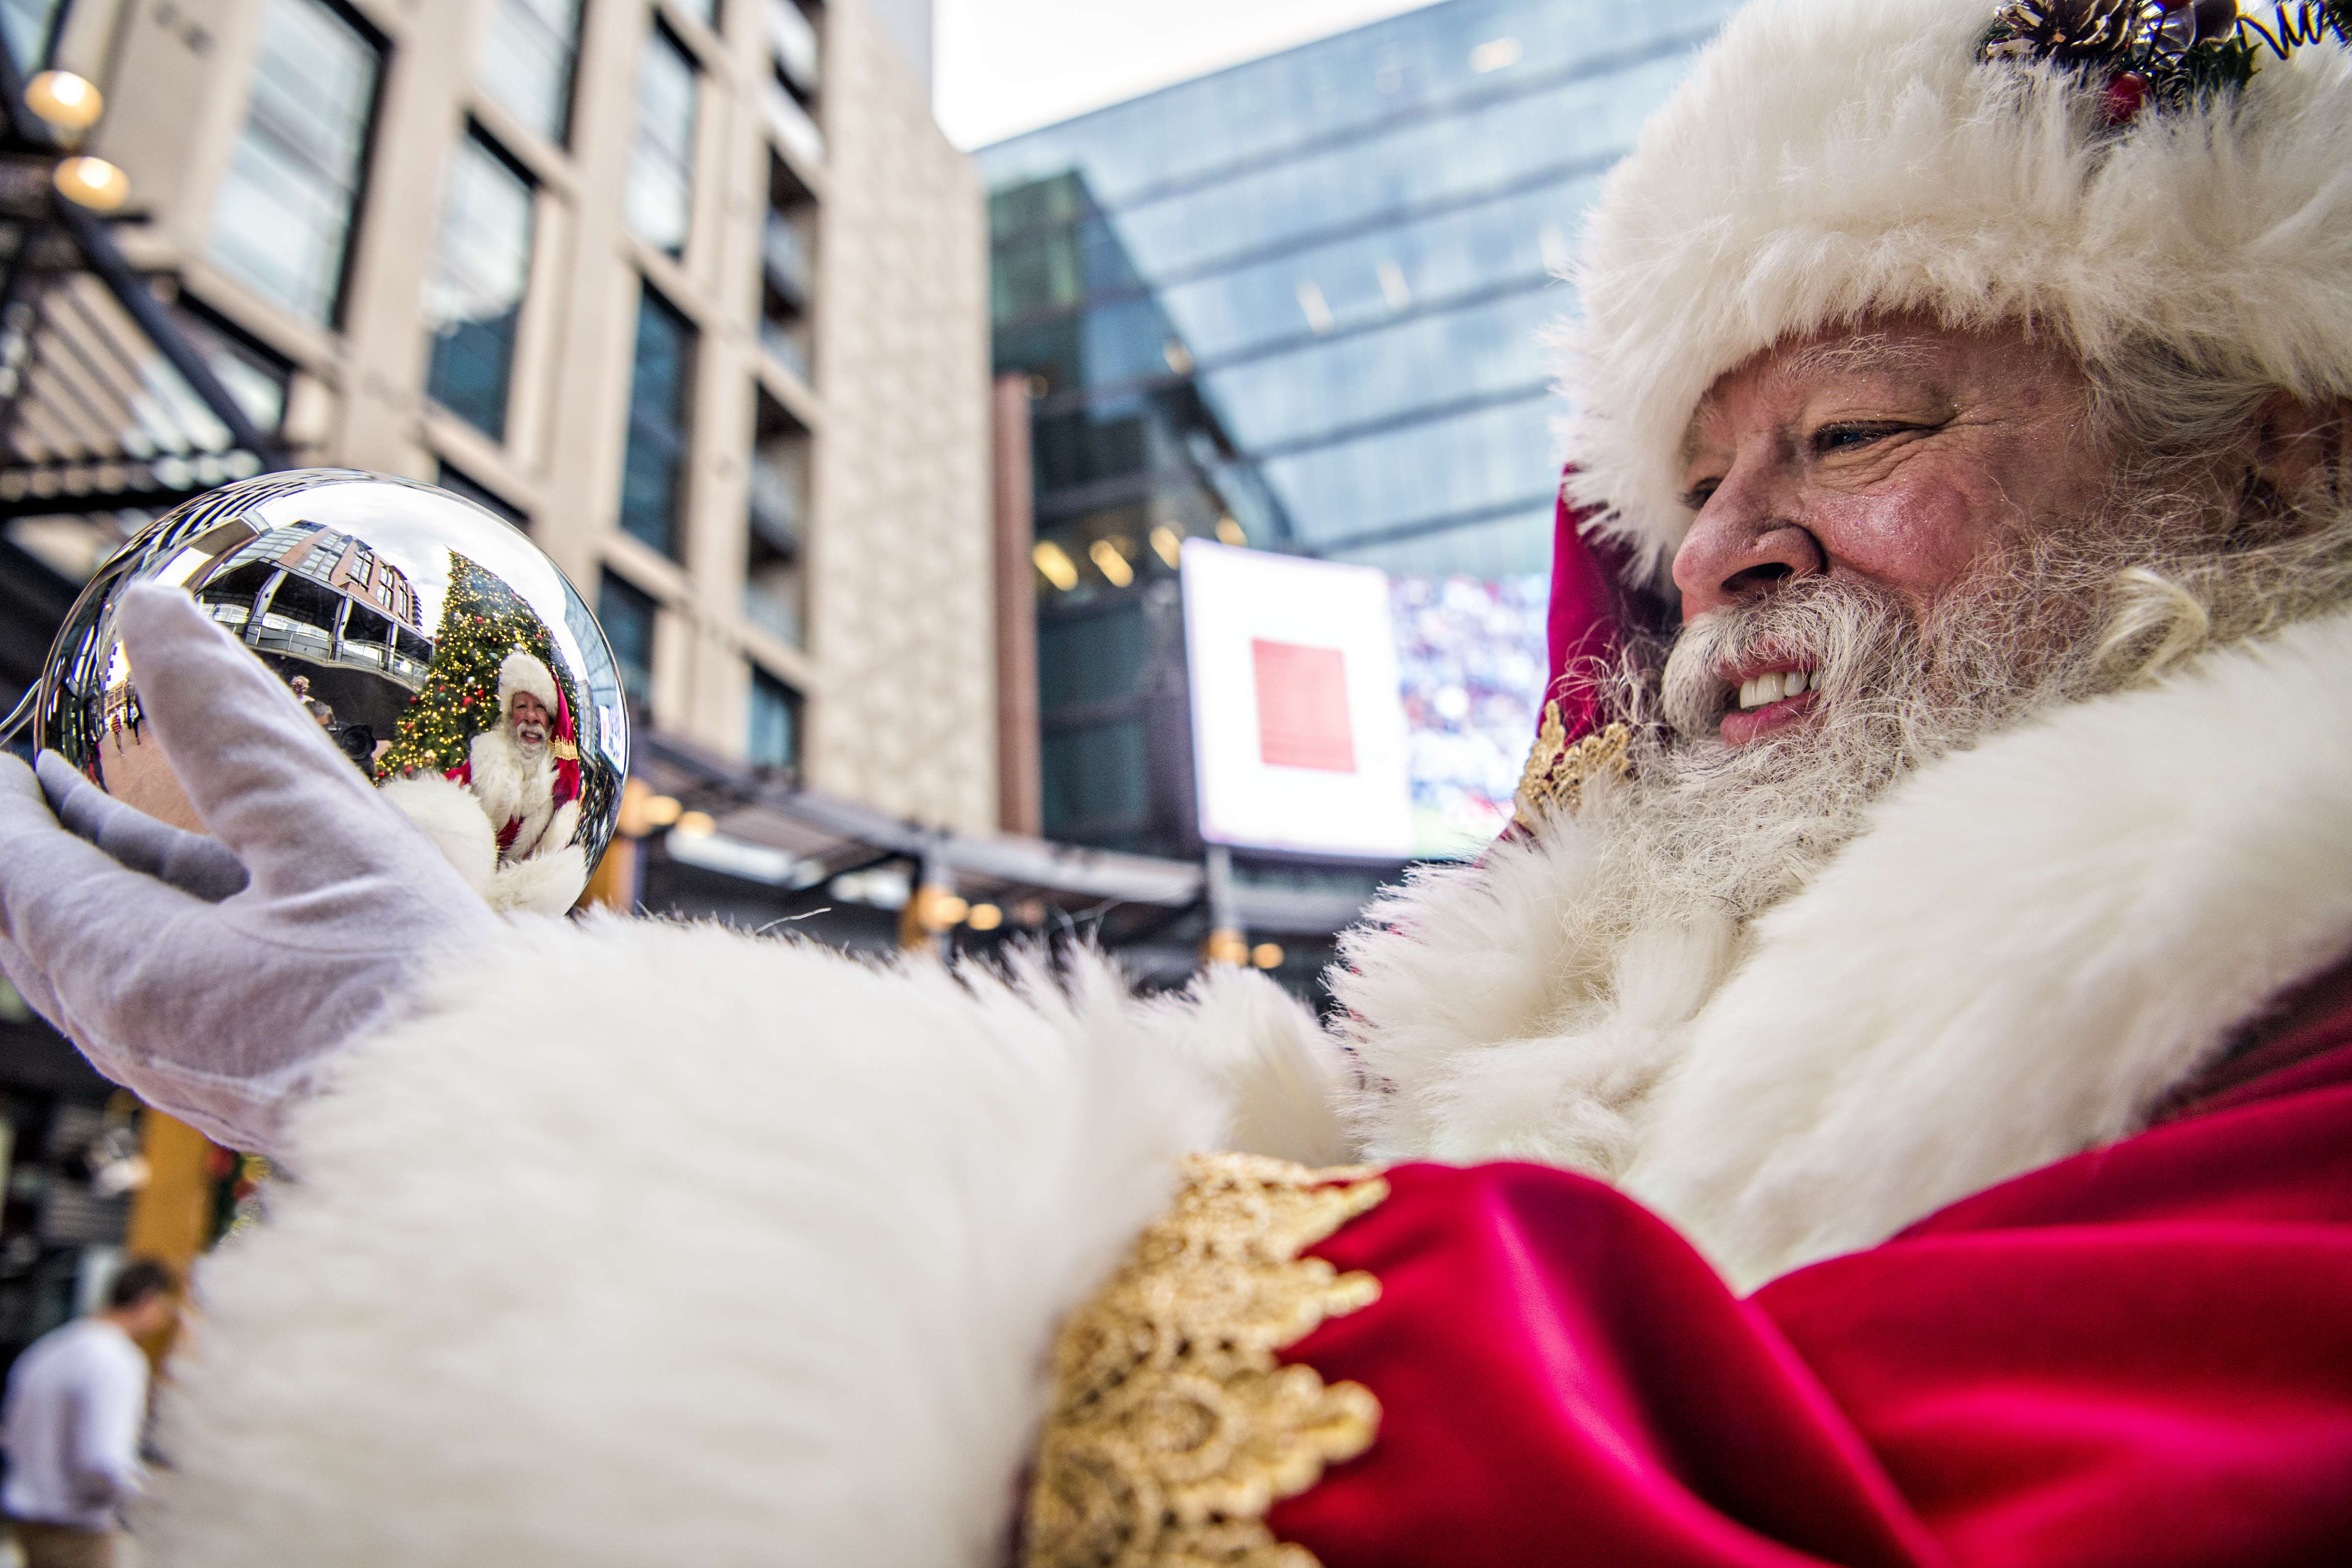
1774, 685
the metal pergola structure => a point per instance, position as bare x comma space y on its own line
1121, 901
105, 404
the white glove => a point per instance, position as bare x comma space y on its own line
221, 1012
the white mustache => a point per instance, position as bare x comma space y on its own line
1850, 637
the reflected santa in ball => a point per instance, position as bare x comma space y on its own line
440, 649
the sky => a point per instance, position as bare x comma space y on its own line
1003, 66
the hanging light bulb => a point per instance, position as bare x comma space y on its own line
66, 103
92, 183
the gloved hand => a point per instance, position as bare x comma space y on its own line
194, 863
221, 1012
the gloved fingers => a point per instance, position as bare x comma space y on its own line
201, 867
261, 773
71, 916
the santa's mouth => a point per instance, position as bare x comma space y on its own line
1767, 700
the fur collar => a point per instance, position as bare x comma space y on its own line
2030, 944
507, 792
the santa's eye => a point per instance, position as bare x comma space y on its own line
1845, 438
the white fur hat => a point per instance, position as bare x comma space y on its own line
520, 671
1830, 158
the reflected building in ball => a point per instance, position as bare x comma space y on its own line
305, 590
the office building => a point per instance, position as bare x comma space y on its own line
1298, 304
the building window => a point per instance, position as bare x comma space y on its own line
786, 276
257, 379
282, 222
29, 26
526, 61
652, 472
659, 201
626, 612
474, 298
457, 481
775, 588
772, 738
788, 98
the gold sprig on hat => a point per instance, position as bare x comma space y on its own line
2167, 52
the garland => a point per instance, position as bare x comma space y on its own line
2172, 53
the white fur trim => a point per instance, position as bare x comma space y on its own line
561, 829
1490, 1022
2033, 942
1264, 1051
507, 793
1827, 159
658, 1244
545, 884
448, 815
2033, 945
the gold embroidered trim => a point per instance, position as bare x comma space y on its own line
1173, 1427
1556, 771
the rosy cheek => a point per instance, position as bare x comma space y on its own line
1918, 539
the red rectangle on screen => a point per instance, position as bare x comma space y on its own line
1302, 707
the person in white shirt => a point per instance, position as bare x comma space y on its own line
76, 1403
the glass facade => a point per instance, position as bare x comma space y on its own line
473, 301
528, 55
659, 199
1299, 305
282, 221
653, 467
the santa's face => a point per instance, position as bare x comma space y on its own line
527, 721
1907, 462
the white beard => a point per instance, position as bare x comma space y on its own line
1530, 1006
514, 783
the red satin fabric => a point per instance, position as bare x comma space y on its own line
2141, 1356
1592, 612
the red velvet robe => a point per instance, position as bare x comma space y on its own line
2141, 1356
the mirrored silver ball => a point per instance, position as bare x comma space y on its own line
405, 619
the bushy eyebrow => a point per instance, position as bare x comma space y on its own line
1863, 354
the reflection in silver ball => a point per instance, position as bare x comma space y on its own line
439, 647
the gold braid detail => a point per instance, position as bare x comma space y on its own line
1556, 771
1173, 1427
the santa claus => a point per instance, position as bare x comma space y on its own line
1891, 1103
522, 779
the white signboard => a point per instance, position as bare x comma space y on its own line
1298, 732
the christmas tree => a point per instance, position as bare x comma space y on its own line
482, 623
